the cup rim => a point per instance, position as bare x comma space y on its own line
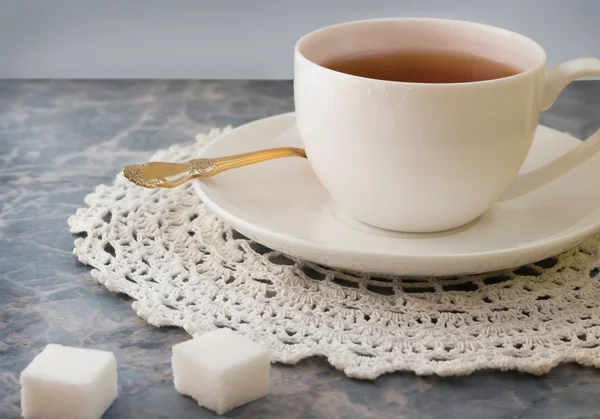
304, 38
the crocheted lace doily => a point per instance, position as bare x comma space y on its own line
184, 267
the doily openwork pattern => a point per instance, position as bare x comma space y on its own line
184, 267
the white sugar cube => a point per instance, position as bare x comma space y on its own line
65, 382
221, 370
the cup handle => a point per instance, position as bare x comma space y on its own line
557, 78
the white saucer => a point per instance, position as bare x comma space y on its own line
282, 205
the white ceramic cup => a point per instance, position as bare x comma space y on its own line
420, 157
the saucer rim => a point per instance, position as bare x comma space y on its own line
541, 246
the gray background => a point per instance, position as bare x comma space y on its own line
241, 39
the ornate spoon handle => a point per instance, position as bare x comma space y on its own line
170, 175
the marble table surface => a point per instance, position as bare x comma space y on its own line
59, 139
